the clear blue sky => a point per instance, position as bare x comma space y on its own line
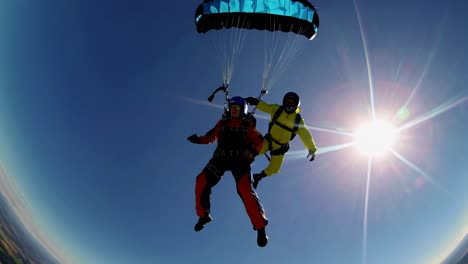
97, 99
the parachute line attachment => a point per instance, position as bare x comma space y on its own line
225, 88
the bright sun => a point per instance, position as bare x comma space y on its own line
375, 137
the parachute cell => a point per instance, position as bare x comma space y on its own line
297, 16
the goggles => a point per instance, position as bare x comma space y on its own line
290, 108
235, 107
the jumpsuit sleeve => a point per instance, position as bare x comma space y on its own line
212, 135
256, 139
306, 136
267, 108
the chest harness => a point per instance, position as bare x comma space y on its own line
284, 147
233, 141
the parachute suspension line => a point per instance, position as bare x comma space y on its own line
295, 44
266, 66
227, 43
280, 62
266, 63
291, 48
229, 55
271, 46
277, 61
237, 41
220, 50
233, 40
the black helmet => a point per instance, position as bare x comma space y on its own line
287, 106
237, 100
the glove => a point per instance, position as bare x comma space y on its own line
248, 155
194, 139
311, 155
257, 177
252, 100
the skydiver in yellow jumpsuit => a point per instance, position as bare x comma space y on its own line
285, 123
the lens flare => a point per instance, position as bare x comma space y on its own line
375, 137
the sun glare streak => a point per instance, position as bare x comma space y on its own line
418, 170
331, 130
423, 74
206, 103
369, 70
436, 111
417, 86
366, 209
260, 116
397, 73
202, 102
322, 150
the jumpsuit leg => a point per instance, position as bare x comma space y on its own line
249, 197
276, 161
265, 147
275, 164
207, 179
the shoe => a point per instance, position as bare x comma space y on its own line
201, 223
262, 238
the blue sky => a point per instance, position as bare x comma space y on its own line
97, 99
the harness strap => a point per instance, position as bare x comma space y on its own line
284, 147
270, 139
274, 121
248, 120
228, 153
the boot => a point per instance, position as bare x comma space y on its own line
262, 238
257, 177
201, 222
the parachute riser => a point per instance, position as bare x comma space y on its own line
224, 88
262, 93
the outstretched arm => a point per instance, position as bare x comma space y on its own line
262, 106
267, 108
306, 137
210, 137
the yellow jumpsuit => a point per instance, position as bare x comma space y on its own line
282, 135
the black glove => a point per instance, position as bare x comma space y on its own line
252, 100
311, 155
194, 139
248, 155
257, 177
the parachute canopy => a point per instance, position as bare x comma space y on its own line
298, 16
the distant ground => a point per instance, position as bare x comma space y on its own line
460, 254
16, 245
464, 260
